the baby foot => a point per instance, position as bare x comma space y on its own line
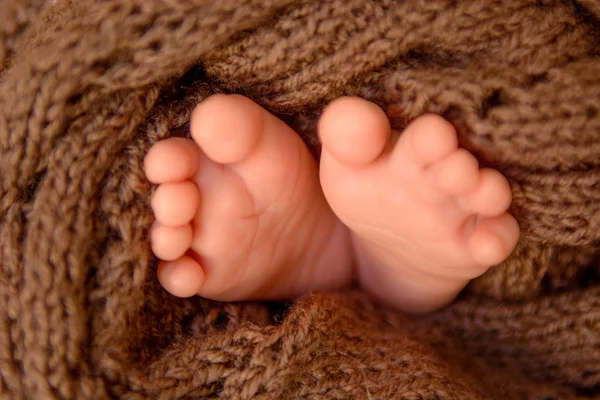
239, 210
425, 218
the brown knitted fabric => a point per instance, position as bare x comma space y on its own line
87, 86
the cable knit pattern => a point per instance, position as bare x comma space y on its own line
86, 87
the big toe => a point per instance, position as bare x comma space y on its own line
354, 131
227, 127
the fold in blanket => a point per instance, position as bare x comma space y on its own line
86, 87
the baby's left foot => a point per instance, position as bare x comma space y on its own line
425, 218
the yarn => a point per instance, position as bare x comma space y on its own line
87, 87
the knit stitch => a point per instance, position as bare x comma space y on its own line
86, 87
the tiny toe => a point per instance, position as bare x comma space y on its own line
175, 204
427, 140
227, 127
353, 130
172, 160
169, 243
183, 277
457, 173
494, 239
492, 196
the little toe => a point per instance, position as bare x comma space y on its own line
426, 140
175, 204
169, 243
354, 131
183, 277
457, 173
494, 239
227, 127
492, 196
172, 160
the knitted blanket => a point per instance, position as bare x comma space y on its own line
86, 87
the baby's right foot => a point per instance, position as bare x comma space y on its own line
425, 218
239, 211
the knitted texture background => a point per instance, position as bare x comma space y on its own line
86, 87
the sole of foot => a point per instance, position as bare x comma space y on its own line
239, 211
424, 217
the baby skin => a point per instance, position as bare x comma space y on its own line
243, 211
